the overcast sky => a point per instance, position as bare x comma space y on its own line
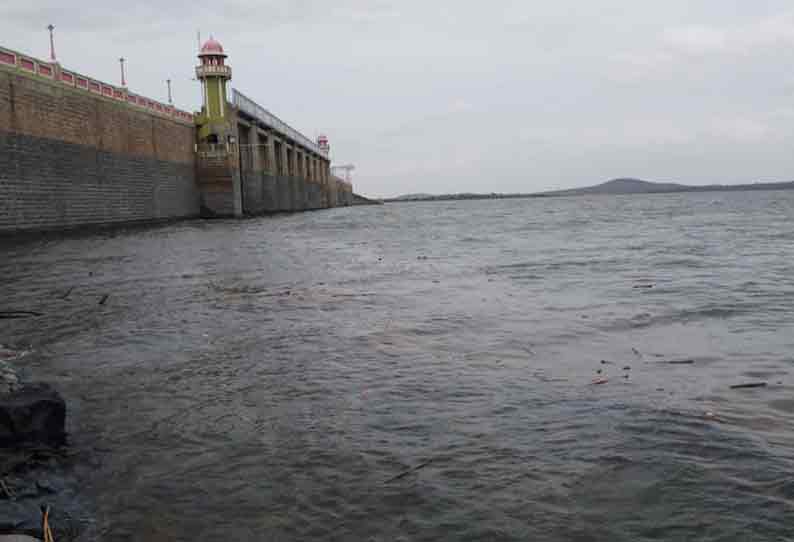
452, 96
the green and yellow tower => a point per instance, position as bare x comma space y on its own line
213, 74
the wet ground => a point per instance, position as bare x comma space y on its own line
425, 371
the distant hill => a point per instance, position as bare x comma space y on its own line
458, 196
412, 197
613, 187
358, 199
638, 186
621, 186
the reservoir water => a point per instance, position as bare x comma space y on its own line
424, 371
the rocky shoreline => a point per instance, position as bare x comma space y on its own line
34, 456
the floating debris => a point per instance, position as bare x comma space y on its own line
9, 380
711, 416
45, 524
647, 286
409, 471
7, 353
104, 299
748, 385
599, 381
679, 362
7, 491
19, 314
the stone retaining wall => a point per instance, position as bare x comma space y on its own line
71, 158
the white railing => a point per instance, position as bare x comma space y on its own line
253, 109
210, 69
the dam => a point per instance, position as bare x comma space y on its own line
77, 151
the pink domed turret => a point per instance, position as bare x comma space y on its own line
322, 143
213, 60
212, 47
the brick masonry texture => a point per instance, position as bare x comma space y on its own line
215, 180
48, 184
68, 158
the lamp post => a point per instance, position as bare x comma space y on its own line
123, 80
168, 82
52, 42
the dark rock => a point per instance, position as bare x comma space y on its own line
20, 518
34, 413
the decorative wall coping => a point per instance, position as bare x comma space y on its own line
55, 72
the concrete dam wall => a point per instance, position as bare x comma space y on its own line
76, 151
271, 184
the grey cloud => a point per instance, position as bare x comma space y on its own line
463, 96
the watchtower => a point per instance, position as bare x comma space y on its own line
213, 74
322, 143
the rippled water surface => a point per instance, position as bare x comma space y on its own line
425, 371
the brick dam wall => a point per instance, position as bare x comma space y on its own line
71, 157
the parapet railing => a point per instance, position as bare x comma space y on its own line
253, 109
55, 72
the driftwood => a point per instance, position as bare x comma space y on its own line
749, 385
7, 490
19, 314
45, 524
409, 471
